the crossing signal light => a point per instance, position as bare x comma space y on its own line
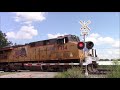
89, 45
80, 45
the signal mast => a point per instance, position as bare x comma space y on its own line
85, 31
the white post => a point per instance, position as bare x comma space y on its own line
85, 31
86, 71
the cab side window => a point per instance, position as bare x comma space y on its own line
60, 41
53, 41
46, 42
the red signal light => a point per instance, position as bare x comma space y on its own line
80, 45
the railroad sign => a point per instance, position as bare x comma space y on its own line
85, 29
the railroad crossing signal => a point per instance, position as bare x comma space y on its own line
85, 29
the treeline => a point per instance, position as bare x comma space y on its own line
109, 59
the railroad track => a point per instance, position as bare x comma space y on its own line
99, 71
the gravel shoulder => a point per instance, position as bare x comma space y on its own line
27, 74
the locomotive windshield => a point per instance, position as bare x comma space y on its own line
63, 40
68, 38
74, 38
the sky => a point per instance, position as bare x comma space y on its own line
25, 27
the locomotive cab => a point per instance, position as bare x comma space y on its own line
67, 38
67, 48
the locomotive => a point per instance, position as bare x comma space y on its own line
56, 54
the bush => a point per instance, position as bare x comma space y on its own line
74, 72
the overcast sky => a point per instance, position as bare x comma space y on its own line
25, 27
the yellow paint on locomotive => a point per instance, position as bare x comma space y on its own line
66, 51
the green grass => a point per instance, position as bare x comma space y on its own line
115, 71
74, 72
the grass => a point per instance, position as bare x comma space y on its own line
74, 72
115, 70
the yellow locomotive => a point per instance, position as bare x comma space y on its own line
62, 51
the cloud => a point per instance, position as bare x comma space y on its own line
25, 32
10, 35
50, 36
114, 46
100, 40
108, 53
29, 17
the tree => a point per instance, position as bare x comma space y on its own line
3, 40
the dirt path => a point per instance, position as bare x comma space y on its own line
29, 75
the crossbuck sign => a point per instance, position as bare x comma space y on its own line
85, 29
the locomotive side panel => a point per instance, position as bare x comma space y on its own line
75, 52
37, 54
62, 52
26, 55
4, 55
68, 51
11, 56
54, 49
72, 51
32, 54
43, 53
19, 54
3, 59
50, 52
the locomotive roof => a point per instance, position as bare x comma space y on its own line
15, 46
42, 40
6, 48
52, 38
